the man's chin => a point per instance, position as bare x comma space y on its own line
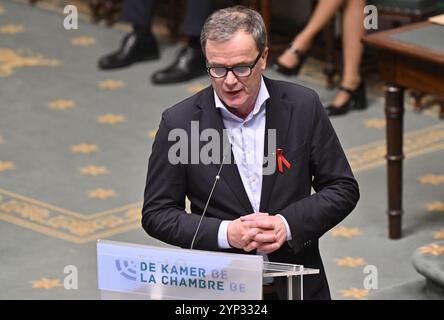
233, 106
234, 103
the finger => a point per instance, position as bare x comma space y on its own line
254, 216
268, 247
264, 223
265, 237
253, 245
250, 234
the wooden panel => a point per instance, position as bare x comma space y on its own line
387, 66
420, 75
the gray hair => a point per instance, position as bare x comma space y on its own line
224, 23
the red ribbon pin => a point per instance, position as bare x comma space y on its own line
281, 159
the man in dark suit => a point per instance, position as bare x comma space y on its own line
251, 210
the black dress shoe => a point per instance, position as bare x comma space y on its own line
189, 64
357, 100
134, 48
294, 70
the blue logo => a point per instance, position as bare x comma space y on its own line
127, 269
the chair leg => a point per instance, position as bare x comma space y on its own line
441, 103
111, 11
330, 68
263, 7
417, 98
96, 7
265, 12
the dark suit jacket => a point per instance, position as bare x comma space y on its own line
309, 143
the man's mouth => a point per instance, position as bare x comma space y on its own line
233, 92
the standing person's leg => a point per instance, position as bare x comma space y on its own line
196, 13
190, 61
139, 45
352, 90
324, 12
138, 12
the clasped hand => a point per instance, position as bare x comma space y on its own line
257, 231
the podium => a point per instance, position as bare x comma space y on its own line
133, 271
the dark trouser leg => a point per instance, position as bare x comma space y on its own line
190, 62
138, 12
197, 11
136, 46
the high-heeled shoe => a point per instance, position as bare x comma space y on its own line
294, 70
357, 100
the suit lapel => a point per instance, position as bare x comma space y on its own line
211, 118
278, 116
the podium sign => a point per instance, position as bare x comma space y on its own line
132, 271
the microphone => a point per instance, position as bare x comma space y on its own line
216, 179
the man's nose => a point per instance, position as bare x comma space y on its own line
230, 79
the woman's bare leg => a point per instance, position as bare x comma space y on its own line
352, 32
323, 13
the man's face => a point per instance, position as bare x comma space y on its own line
238, 93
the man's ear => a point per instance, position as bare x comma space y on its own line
265, 58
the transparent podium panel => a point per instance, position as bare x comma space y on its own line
133, 271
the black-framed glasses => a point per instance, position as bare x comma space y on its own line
241, 70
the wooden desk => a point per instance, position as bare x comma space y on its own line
405, 64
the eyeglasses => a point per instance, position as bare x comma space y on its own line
239, 70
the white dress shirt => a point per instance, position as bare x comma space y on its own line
247, 139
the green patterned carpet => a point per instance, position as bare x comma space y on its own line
74, 144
